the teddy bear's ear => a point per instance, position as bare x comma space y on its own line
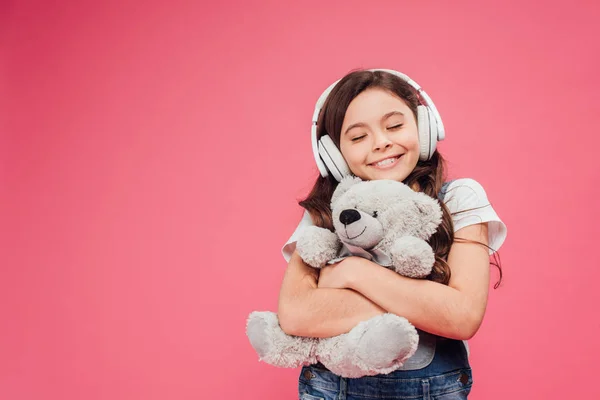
431, 212
347, 182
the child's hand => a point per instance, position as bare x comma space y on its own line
336, 276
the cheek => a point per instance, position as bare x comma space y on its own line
353, 154
411, 144
415, 141
411, 141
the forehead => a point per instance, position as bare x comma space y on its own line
372, 104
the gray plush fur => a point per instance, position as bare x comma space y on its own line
381, 216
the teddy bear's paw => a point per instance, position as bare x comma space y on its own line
386, 342
274, 346
379, 345
412, 257
337, 354
317, 245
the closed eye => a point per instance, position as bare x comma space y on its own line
396, 126
356, 139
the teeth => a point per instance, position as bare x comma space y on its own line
385, 162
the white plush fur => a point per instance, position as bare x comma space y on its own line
382, 215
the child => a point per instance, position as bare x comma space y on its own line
379, 124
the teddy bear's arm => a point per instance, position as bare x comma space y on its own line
412, 257
317, 245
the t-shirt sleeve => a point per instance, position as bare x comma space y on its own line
468, 203
288, 248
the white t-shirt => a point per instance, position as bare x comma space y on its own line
458, 195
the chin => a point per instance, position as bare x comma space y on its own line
391, 174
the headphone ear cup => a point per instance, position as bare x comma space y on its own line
433, 133
424, 134
332, 158
315, 147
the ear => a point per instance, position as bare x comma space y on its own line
430, 211
424, 206
347, 182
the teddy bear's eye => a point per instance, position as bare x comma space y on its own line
374, 214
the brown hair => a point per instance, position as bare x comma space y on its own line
427, 177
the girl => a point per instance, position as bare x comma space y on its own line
379, 124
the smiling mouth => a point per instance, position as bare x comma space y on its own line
350, 238
388, 162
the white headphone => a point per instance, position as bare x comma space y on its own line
431, 130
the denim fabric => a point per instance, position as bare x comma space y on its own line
447, 377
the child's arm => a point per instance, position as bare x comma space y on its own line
454, 311
305, 310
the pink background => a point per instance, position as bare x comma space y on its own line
153, 153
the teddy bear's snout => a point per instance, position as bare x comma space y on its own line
349, 216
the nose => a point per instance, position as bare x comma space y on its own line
381, 141
349, 216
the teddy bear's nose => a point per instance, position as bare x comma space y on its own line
349, 216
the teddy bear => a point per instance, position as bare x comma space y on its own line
386, 222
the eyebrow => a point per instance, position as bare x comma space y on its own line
382, 118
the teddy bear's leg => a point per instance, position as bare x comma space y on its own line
379, 345
274, 346
335, 353
412, 257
